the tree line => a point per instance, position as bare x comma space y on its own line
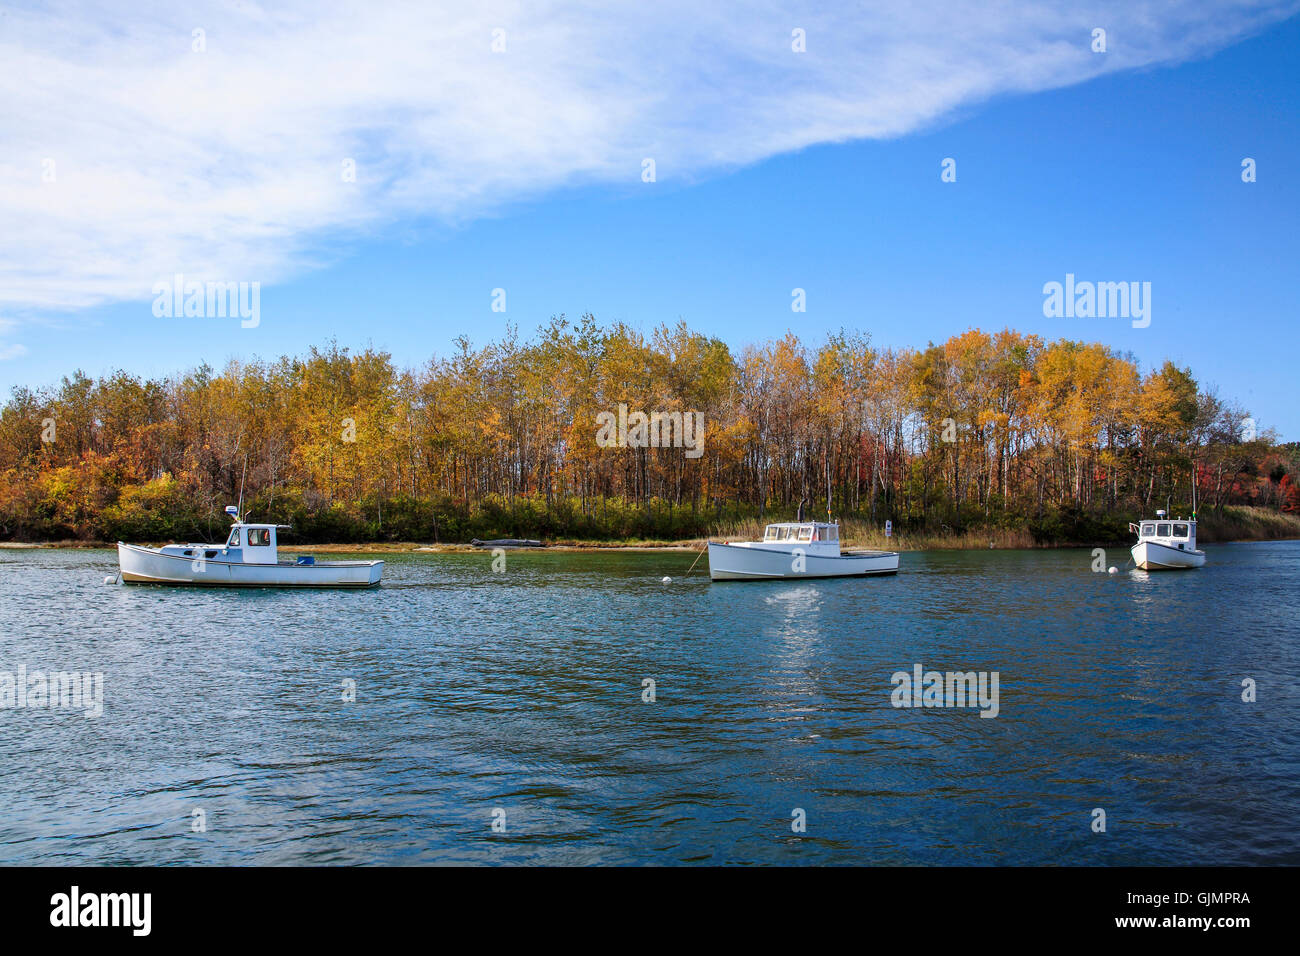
985, 429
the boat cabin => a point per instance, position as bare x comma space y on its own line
246, 544
810, 535
797, 531
1177, 533
253, 543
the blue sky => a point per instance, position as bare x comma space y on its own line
1130, 175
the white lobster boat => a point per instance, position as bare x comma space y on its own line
1165, 545
796, 549
249, 558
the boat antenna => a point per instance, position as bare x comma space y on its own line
239, 508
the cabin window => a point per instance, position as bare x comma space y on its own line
1162, 531
832, 534
234, 538
258, 537
1148, 530
805, 534
770, 533
1180, 531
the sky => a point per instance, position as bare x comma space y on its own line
133, 148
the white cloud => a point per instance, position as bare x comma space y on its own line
226, 164
11, 351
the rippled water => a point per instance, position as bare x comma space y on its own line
522, 691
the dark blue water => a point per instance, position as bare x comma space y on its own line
522, 692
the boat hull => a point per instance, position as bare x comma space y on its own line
149, 566
1150, 556
732, 562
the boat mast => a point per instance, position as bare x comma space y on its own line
828, 487
239, 508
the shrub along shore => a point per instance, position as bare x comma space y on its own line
397, 525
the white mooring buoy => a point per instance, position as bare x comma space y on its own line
1113, 570
109, 579
667, 580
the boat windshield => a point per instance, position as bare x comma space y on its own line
804, 532
1148, 530
234, 538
